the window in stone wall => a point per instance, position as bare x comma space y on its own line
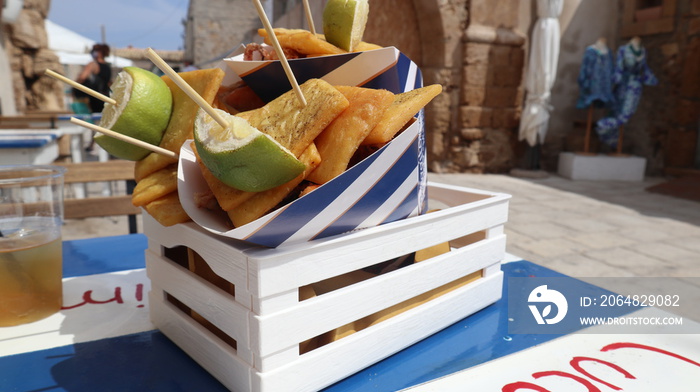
646, 17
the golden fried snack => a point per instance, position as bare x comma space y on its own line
305, 43
365, 46
180, 128
155, 186
302, 41
339, 141
227, 197
293, 126
262, 202
404, 107
167, 210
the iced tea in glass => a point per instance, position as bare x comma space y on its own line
31, 214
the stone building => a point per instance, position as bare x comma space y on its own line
26, 55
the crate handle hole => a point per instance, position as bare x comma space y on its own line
192, 261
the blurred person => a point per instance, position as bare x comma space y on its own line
97, 75
188, 66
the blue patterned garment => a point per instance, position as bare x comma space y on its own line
595, 79
631, 73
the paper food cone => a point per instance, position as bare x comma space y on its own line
387, 186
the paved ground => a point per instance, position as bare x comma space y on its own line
594, 228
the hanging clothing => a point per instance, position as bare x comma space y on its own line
541, 72
595, 78
631, 73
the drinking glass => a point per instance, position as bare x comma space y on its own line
31, 215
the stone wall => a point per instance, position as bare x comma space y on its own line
483, 129
665, 127
27, 46
215, 27
472, 48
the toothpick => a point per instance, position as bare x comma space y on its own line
280, 52
128, 139
80, 87
309, 17
163, 66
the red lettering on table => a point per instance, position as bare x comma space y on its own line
617, 346
139, 294
87, 299
576, 364
581, 380
516, 386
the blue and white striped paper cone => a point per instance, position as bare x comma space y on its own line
387, 186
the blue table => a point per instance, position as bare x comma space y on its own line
148, 361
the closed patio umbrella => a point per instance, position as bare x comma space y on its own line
541, 72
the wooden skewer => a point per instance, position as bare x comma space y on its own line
309, 17
80, 87
280, 52
128, 139
163, 66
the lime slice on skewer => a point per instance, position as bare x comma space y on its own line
144, 105
241, 156
344, 22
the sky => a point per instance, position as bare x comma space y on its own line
139, 23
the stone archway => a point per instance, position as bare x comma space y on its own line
472, 49
430, 33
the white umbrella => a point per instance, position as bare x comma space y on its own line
541, 73
73, 48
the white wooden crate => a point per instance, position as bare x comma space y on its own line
269, 323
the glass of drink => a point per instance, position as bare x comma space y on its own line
31, 214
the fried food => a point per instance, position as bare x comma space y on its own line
293, 126
181, 126
365, 46
155, 186
160, 199
339, 141
404, 107
302, 42
167, 210
237, 98
289, 124
263, 202
257, 52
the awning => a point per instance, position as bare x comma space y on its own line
73, 48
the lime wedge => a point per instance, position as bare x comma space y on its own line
241, 156
344, 22
144, 105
